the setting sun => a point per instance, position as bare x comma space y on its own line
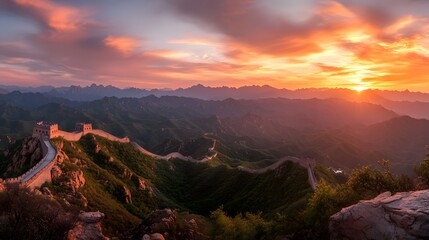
360, 88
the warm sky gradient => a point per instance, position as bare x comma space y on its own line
177, 43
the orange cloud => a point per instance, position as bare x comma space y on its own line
57, 16
123, 44
347, 43
168, 54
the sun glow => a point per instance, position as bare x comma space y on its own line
360, 88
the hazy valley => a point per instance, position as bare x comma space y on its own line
247, 144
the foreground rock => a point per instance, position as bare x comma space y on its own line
88, 227
166, 224
401, 216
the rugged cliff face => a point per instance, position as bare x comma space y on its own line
401, 216
20, 157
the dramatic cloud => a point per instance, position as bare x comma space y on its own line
286, 43
122, 44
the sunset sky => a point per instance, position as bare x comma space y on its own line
356, 44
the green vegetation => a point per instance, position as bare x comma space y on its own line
422, 169
363, 183
195, 187
201, 188
240, 227
25, 215
106, 167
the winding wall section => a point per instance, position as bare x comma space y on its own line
304, 162
176, 154
41, 172
75, 136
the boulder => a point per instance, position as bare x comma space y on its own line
155, 236
142, 184
401, 216
88, 227
76, 180
166, 224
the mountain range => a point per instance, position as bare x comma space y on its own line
255, 132
414, 104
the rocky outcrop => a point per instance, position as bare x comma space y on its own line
401, 216
141, 184
88, 227
56, 172
61, 155
126, 173
76, 180
166, 224
155, 236
127, 195
97, 148
2, 185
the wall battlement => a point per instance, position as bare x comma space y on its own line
44, 128
83, 127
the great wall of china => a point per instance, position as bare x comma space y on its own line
41, 172
44, 131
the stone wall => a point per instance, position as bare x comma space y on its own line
108, 136
72, 137
75, 136
41, 177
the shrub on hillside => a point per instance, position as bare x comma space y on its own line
363, 183
25, 215
247, 226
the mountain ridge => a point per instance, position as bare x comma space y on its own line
415, 104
